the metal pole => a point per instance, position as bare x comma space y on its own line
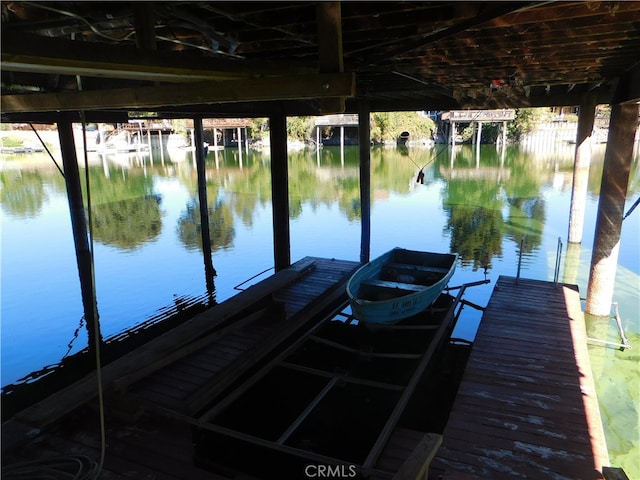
519, 260
558, 257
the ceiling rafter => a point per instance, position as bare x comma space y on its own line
450, 50
315, 86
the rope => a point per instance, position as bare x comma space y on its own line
633, 207
45, 147
420, 177
96, 323
76, 467
73, 467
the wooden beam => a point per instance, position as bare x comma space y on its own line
80, 231
417, 464
280, 191
144, 20
364, 140
329, 22
203, 93
63, 401
203, 204
613, 193
54, 117
37, 54
581, 163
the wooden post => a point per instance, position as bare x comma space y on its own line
479, 135
80, 232
144, 24
280, 191
203, 201
161, 142
453, 134
239, 149
581, 164
571, 263
364, 142
613, 192
318, 145
330, 54
342, 145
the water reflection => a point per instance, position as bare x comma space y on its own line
486, 197
127, 224
222, 231
146, 224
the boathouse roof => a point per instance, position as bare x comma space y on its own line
183, 58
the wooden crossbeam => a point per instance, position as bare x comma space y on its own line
329, 20
37, 54
294, 87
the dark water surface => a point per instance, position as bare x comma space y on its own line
148, 258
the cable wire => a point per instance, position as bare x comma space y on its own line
420, 177
96, 323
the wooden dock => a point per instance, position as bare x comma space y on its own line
526, 406
173, 373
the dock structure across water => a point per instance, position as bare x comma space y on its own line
525, 407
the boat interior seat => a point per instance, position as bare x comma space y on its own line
408, 287
415, 268
416, 274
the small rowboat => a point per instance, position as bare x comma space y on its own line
398, 285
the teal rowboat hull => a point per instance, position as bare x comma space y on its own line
398, 285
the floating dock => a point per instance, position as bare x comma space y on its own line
525, 407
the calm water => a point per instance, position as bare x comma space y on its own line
148, 251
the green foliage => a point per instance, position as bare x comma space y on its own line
258, 128
527, 119
179, 126
221, 229
128, 224
11, 142
299, 128
387, 126
22, 194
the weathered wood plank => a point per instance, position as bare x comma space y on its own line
24, 52
416, 466
209, 92
525, 404
217, 384
63, 401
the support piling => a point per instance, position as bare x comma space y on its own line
280, 191
613, 192
581, 164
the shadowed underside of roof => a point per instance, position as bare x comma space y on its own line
256, 58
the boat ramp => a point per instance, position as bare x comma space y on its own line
519, 404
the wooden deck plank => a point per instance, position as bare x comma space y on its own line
54, 407
526, 406
151, 446
238, 348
